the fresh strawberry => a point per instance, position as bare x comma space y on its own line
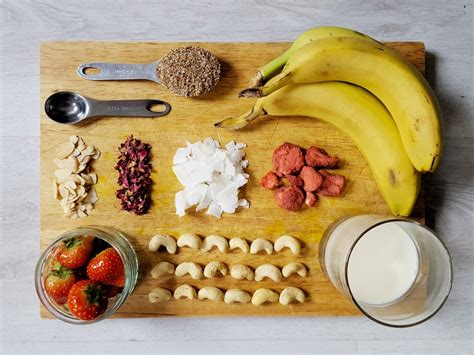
86, 300
107, 267
58, 282
112, 291
74, 252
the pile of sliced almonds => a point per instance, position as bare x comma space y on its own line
74, 181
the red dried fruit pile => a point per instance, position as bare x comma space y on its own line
134, 169
301, 173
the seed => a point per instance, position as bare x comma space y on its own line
189, 71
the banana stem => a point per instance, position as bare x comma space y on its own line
275, 66
239, 122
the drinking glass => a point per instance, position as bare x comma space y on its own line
395, 270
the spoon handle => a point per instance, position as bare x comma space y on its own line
112, 71
128, 108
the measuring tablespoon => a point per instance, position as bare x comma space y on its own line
186, 71
69, 108
113, 71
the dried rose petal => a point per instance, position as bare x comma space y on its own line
134, 169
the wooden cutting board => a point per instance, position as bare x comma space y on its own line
192, 120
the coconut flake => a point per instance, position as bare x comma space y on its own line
211, 176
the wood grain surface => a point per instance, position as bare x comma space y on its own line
192, 120
445, 26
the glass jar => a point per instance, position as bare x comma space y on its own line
115, 239
395, 270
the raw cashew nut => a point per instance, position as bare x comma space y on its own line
263, 295
268, 270
292, 268
189, 240
287, 241
185, 291
236, 295
213, 268
241, 272
261, 244
239, 243
162, 268
211, 293
215, 241
159, 295
291, 294
189, 267
163, 240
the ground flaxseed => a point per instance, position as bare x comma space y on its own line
189, 71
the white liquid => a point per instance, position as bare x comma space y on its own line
383, 265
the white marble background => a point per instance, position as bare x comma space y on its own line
446, 27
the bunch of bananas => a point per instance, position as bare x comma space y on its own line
366, 90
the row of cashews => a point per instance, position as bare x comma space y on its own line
238, 271
263, 295
195, 242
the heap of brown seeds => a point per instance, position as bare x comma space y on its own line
189, 71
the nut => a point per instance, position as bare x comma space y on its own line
239, 243
185, 291
213, 268
261, 244
268, 270
211, 293
287, 241
189, 267
241, 272
291, 294
162, 240
189, 240
215, 241
236, 295
159, 295
293, 268
263, 295
162, 268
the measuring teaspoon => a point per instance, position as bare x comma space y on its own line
69, 108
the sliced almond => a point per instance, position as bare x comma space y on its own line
73, 139
91, 196
62, 174
89, 150
93, 177
81, 145
71, 184
76, 152
81, 214
89, 207
64, 150
81, 190
96, 154
81, 168
71, 164
63, 191
59, 163
84, 159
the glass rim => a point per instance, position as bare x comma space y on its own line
49, 304
354, 301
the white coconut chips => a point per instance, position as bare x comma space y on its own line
211, 177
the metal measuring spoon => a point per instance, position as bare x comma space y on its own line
113, 71
70, 107
186, 71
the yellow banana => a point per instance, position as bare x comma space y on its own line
362, 117
398, 84
272, 68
